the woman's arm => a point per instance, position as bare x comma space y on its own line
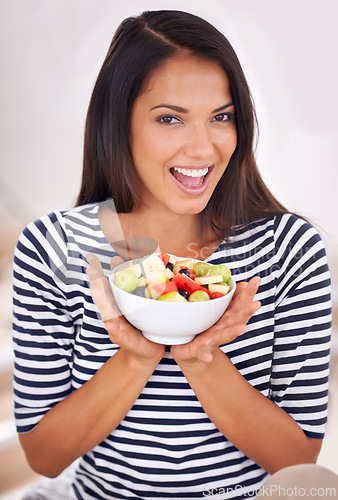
252, 422
87, 416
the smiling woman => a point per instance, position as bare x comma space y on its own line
168, 160
162, 44
179, 159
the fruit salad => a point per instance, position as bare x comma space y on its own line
161, 276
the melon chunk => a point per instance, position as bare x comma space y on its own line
219, 288
207, 280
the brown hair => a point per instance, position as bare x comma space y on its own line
139, 45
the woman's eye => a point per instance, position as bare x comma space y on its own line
222, 117
168, 120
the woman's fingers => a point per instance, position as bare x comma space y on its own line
230, 326
244, 296
120, 331
247, 290
101, 291
239, 289
240, 310
234, 320
116, 261
94, 270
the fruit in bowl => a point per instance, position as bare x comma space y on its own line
171, 299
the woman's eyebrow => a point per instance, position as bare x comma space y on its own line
179, 109
171, 106
222, 108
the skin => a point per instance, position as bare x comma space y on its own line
74, 426
163, 136
174, 123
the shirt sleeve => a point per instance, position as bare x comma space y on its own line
43, 331
299, 378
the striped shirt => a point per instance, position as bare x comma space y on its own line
166, 446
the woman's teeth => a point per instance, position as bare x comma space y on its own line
192, 172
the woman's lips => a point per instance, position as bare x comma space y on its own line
190, 180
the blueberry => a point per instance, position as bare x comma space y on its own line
170, 266
184, 293
185, 271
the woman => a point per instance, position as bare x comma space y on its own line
168, 157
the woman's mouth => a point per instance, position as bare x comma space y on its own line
191, 180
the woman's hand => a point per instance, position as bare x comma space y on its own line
120, 331
227, 328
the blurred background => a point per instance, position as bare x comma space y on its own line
51, 52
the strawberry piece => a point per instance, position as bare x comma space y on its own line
164, 258
163, 288
216, 295
183, 282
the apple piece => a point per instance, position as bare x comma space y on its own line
189, 263
151, 293
169, 274
207, 280
172, 258
142, 281
155, 277
172, 297
176, 268
219, 288
198, 296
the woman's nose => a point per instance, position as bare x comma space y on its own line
199, 143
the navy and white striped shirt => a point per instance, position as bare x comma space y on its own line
166, 447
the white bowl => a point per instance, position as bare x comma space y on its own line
169, 323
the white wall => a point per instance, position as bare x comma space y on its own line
52, 50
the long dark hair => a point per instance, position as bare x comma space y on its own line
139, 45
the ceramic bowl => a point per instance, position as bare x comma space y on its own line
169, 323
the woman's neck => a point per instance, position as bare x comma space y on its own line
145, 231
180, 235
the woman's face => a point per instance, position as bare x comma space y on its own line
183, 134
